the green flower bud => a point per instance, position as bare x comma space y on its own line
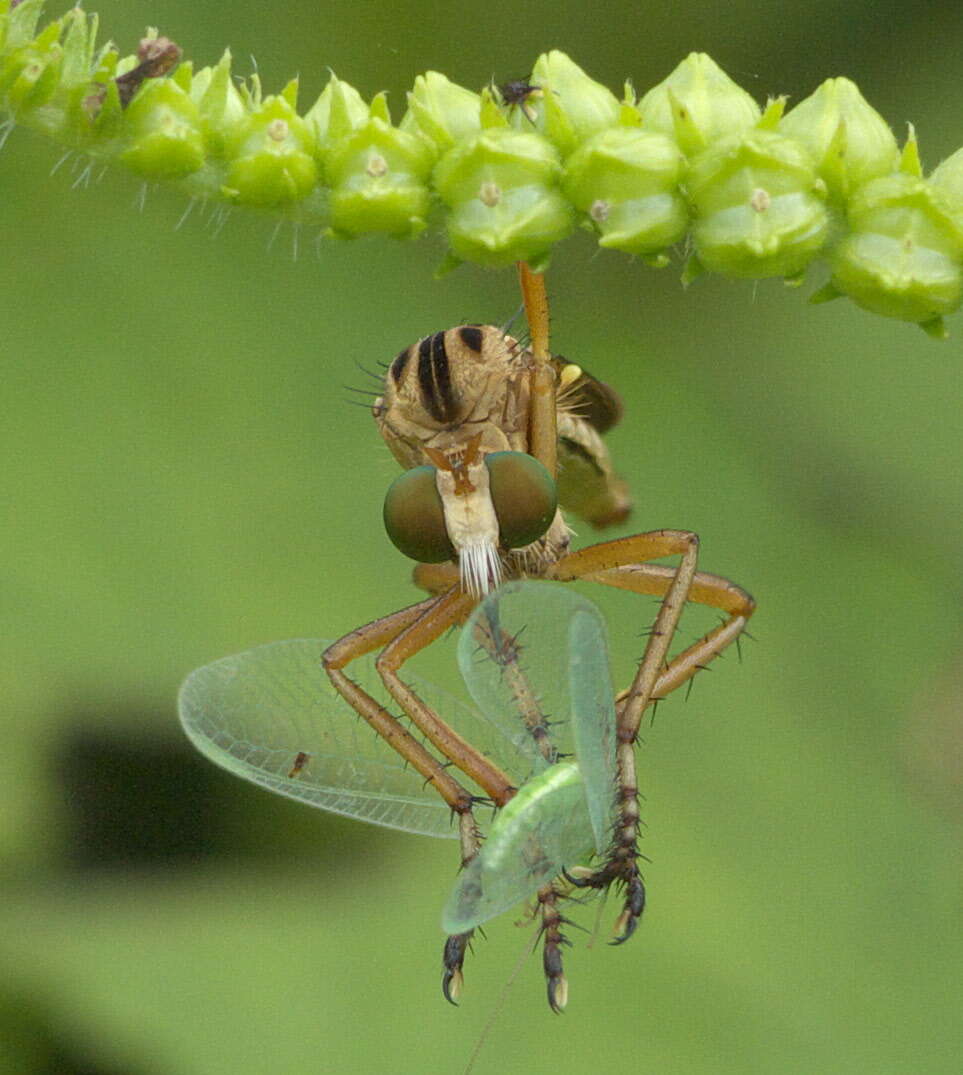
501, 188
219, 105
379, 178
758, 206
78, 43
846, 137
568, 107
441, 111
271, 154
948, 179
29, 75
162, 129
903, 254
103, 107
67, 116
335, 114
626, 181
698, 104
18, 27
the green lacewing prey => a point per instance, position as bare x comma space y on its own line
495, 438
565, 810
527, 650
548, 677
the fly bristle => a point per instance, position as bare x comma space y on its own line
378, 378
481, 568
506, 328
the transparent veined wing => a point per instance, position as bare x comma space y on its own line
534, 657
539, 653
543, 829
271, 716
593, 718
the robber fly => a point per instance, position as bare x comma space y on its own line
494, 439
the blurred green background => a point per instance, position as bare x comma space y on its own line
183, 478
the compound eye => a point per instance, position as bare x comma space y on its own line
523, 495
414, 517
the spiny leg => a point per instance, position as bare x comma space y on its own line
446, 611
553, 940
456, 945
361, 641
543, 415
335, 658
443, 612
622, 863
621, 563
504, 649
713, 591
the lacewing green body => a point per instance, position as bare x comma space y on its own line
534, 659
544, 829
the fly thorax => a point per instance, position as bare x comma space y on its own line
456, 382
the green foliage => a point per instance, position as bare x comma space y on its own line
759, 195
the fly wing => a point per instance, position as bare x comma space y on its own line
543, 830
586, 396
271, 716
587, 482
535, 660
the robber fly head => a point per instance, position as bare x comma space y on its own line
455, 415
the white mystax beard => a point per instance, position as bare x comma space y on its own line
473, 528
480, 567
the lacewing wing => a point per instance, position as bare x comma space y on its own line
271, 716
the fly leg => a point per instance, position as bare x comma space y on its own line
395, 734
437, 616
453, 955
543, 416
435, 578
622, 563
451, 746
553, 940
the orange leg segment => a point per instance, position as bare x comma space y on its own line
446, 611
361, 641
622, 564
706, 589
543, 416
404, 634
